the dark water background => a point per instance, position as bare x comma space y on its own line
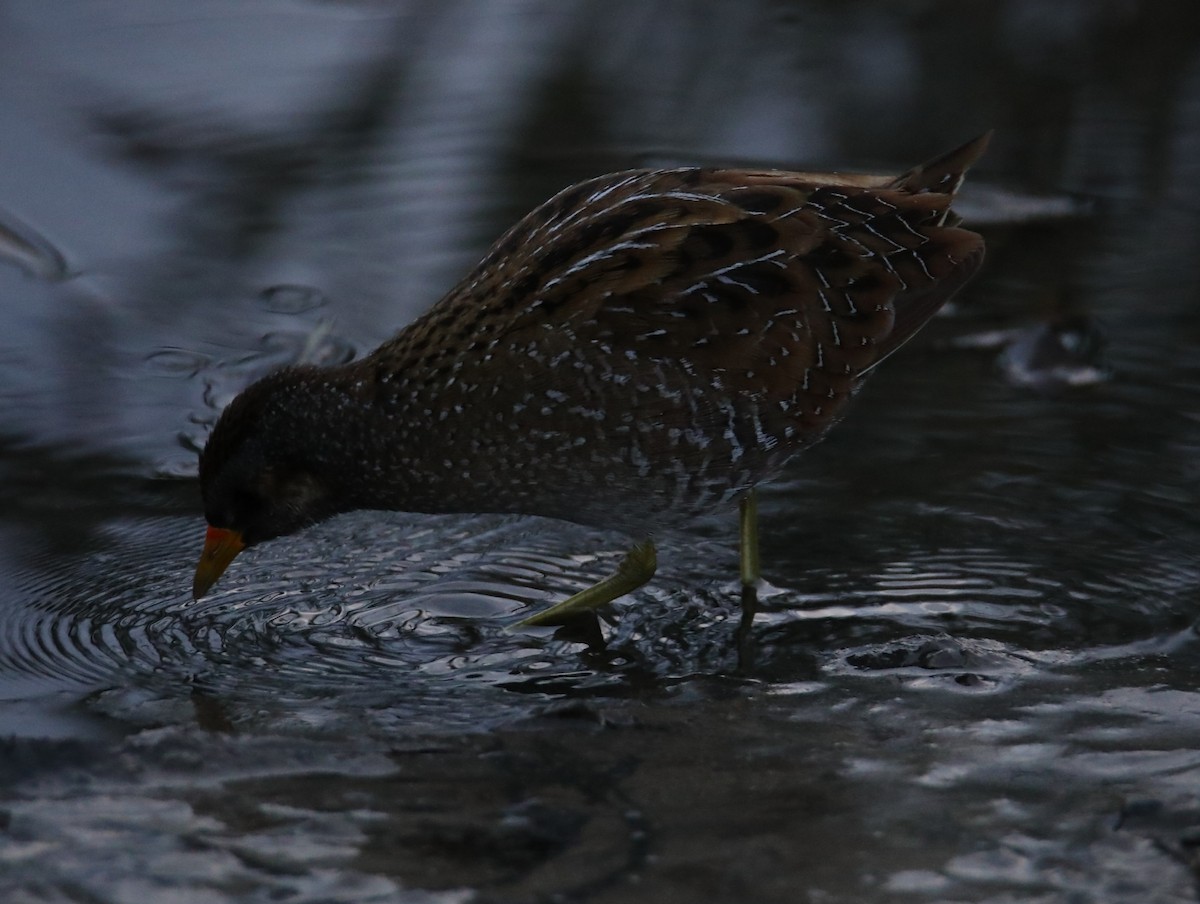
975, 678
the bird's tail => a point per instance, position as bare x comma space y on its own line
944, 174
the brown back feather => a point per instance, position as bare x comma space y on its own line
748, 304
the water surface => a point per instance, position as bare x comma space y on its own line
974, 672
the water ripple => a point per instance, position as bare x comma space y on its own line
394, 611
316, 621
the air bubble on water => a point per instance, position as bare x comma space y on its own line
177, 362
288, 298
192, 440
175, 468
29, 250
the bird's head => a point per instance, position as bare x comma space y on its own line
254, 476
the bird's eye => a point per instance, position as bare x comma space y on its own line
246, 502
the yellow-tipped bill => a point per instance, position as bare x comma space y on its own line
220, 546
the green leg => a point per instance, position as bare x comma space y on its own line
748, 545
751, 575
635, 569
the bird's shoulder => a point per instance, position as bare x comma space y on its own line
721, 264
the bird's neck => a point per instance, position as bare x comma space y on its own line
364, 433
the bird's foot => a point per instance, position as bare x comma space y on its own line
635, 570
